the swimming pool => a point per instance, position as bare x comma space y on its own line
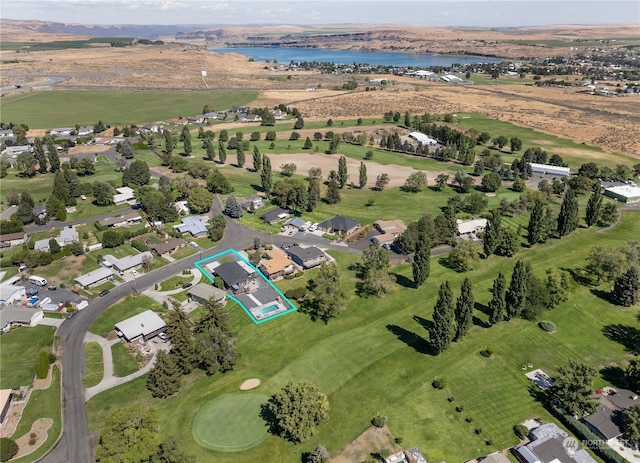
269, 309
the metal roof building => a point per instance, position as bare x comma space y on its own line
145, 325
549, 169
624, 193
93, 277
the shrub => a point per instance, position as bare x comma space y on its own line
8, 448
139, 245
547, 326
521, 431
42, 367
378, 421
439, 383
488, 352
488, 442
398, 440
296, 293
460, 408
450, 399
478, 431
468, 419
32, 441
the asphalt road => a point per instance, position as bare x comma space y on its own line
75, 444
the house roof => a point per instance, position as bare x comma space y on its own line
338, 222
275, 265
12, 236
496, 457
547, 446
232, 273
295, 222
422, 138
17, 314
384, 239
127, 262
93, 276
275, 215
192, 225
121, 218
276, 253
470, 226
143, 324
394, 227
207, 291
7, 291
68, 235
627, 191
623, 399
549, 167
305, 254
605, 422
163, 248
8, 212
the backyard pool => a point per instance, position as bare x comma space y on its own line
269, 309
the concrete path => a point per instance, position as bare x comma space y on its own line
161, 296
51, 321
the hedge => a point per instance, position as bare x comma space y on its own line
8, 448
42, 367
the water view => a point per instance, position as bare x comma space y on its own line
416, 60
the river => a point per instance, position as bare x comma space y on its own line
415, 60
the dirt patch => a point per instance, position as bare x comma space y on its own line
250, 384
371, 441
34, 438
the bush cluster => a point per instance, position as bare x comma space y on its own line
296, 293
378, 421
547, 326
8, 448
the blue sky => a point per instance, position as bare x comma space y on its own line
481, 13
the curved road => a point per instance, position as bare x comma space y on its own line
75, 444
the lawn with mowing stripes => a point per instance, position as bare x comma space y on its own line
231, 423
95, 365
19, 353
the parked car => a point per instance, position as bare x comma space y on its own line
31, 292
187, 285
72, 314
193, 244
313, 227
104, 293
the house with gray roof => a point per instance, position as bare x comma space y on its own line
193, 225
235, 275
308, 257
9, 240
547, 446
127, 262
202, 292
67, 236
339, 224
143, 326
17, 315
607, 420
94, 277
275, 216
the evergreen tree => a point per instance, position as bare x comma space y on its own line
593, 206
333, 189
169, 144
517, 293
421, 265
313, 194
342, 172
363, 175
52, 153
182, 346
60, 188
464, 310
215, 343
625, 288
319, 455
127, 150
38, 152
265, 175
211, 153
573, 388
222, 152
537, 230
492, 233
257, 159
240, 157
165, 377
232, 208
327, 296
308, 144
186, 142
497, 303
568, 218
442, 330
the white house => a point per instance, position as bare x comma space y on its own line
96, 276
422, 138
127, 262
124, 195
143, 326
468, 227
10, 294
14, 315
67, 236
61, 131
86, 130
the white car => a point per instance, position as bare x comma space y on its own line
306, 226
313, 227
193, 244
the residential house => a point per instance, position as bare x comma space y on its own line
155, 128
607, 420
194, 225
143, 326
251, 203
390, 230
86, 130
210, 116
122, 220
276, 265
68, 235
176, 122
339, 224
203, 292
124, 195
126, 263
10, 294
278, 114
182, 207
168, 247
9, 240
546, 446
275, 216
471, 227
252, 118
422, 138
293, 224
8, 212
308, 257
237, 276
199, 119
549, 169
61, 131
4, 134
94, 277
17, 149
496, 457
15, 315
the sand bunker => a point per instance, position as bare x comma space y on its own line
250, 384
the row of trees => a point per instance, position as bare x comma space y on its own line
451, 322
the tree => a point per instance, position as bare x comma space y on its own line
327, 296
60, 188
589, 169
52, 154
169, 144
297, 409
270, 135
218, 183
626, 287
240, 157
287, 170
608, 214
25, 214
136, 174
415, 182
497, 303
492, 233
299, 124
491, 181
421, 264
200, 200
308, 144
38, 152
216, 227
441, 181
214, 341
257, 159
463, 257
464, 310
593, 206
99, 127
127, 150
319, 455
182, 346
568, 218
343, 175
222, 152
54, 247
313, 194
333, 189
442, 331
232, 208
573, 388
516, 144
517, 293
165, 377
170, 451
631, 424
86, 167
334, 143
605, 263
509, 242
157, 204
632, 374
362, 178
537, 230
265, 175
26, 163
376, 280
518, 185
224, 135
8, 448
130, 434
500, 141
557, 285
211, 153
382, 180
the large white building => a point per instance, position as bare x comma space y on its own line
422, 138
549, 169
624, 193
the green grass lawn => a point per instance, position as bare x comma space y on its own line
123, 362
19, 353
41, 110
95, 364
369, 360
175, 282
184, 251
43, 403
132, 305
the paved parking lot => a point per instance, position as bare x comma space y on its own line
57, 296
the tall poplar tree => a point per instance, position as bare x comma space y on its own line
265, 175
38, 152
497, 303
593, 206
537, 230
52, 153
240, 157
343, 175
568, 218
211, 153
313, 194
442, 330
169, 145
464, 309
257, 158
222, 152
362, 180
517, 293
492, 233
333, 189
421, 265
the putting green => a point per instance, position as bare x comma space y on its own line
231, 423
